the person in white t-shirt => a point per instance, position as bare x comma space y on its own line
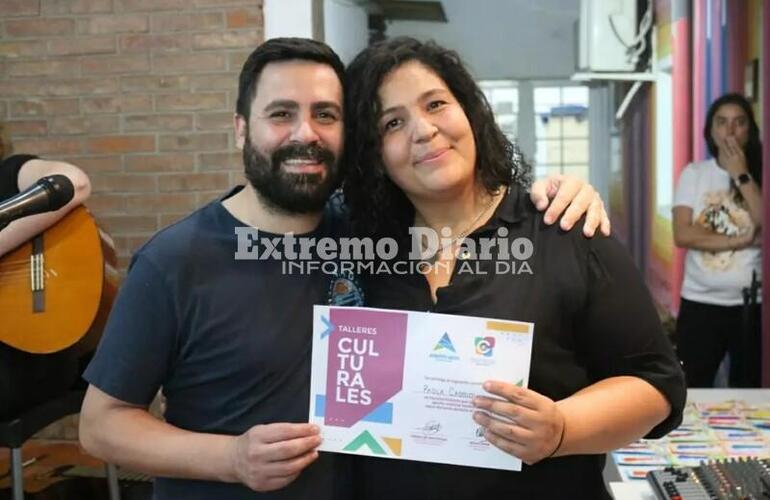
717, 216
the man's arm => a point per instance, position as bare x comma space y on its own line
265, 458
570, 197
695, 237
23, 229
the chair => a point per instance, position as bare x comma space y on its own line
15, 432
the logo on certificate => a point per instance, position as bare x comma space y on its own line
485, 346
444, 350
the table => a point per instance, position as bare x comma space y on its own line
641, 490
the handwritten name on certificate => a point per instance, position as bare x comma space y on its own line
398, 384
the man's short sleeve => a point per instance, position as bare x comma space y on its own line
9, 174
622, 332
685, 188
138, 346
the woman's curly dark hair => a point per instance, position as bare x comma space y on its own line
377, 205
753, 148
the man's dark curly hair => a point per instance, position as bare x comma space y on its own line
280, 50
753, 148
377, 205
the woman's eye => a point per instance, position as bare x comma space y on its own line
436, 104
392, 124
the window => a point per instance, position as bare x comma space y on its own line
503, 96
561, 131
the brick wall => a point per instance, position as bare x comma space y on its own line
138, 93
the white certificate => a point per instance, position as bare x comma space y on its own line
400, 384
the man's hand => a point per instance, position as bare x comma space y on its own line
574, 195
269, 457
524, 424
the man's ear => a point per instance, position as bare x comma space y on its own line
241, 129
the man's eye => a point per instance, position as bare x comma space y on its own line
280, 114
327, 117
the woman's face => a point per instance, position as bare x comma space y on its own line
730, 121
427, 143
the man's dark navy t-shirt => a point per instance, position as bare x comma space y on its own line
228, 340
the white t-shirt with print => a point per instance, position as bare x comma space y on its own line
715, 277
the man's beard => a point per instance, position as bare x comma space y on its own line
292, 193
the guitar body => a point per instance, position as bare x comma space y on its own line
58, 288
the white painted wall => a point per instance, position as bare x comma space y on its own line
288, 18
345, 28
506, 39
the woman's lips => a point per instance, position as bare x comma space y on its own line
432, 156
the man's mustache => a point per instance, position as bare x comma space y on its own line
310, 152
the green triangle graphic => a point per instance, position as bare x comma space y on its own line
365, 439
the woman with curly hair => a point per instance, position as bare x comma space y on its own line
717, 215
423, 150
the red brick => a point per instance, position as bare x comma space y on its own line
48, 146
82, 45
244, 18
26, 127
107, 203
127, 245
193, 142
174, 162
40, 27
220, 161
121, 144
122, 104
115, 64
10, 8
235, 60
44, 107
220, 3
222, 81
227, 40
150, 83
125, 23
23, 48
193, 182
123, 183
238, 177
191, 102
203, 21
214, 121
128, 224
3, 109
160, 203
133, 5
25, 88
82, 86
144, 43
161, 122
96, 124
97, 164
43, 68
168, 219
188, 63
49, 7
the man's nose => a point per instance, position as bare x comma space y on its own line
304, 133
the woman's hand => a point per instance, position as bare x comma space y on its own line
731, 157
525, 424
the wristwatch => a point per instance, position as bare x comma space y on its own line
742, 179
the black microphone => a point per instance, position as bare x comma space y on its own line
46, 195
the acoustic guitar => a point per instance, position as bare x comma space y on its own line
57, 289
